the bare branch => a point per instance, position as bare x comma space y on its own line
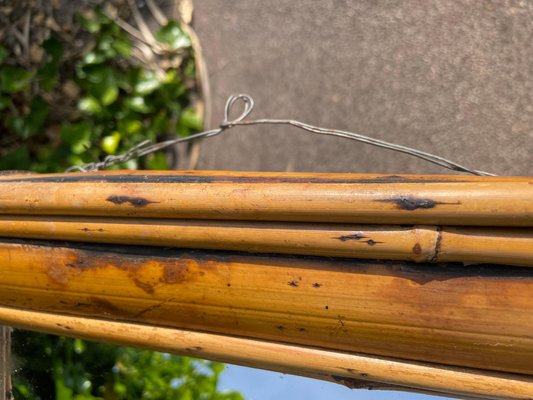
156, 12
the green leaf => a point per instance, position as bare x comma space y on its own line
97, 73
101, 83
138, 104
37, 117
173, 35
122, 46
89, 21
216, 367
18, 125
147, 82
77, 135
122, 81
48, 76
190, 69
130, 164
16, 159
129, 126
104, 45
93, 58
110, 143
3, 54
79, 346
189, 122
89, 105
53, 47
171, 76
108, 95
160, 122
157, 161
13, 79
4, 102
63, 392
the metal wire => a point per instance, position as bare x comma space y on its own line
145, 147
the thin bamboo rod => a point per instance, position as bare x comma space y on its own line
510, 246
479, 317
299, 360
346, 198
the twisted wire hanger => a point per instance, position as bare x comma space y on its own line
146, 147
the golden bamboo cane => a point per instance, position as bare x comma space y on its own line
353, 370
478, 317
345, 198
510, 246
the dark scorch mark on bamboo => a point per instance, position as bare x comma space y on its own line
134, 201
413, 203
354, 236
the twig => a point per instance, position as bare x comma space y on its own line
19, 36
150, 58
141, 23
156, 12
26, 33
202, 82
136, 34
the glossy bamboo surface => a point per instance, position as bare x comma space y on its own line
345, 198
479, 317
352, 370
510, 246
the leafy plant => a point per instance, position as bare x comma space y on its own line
72, 369
99, 100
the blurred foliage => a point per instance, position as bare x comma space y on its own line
77, 109
71, 369
72, 107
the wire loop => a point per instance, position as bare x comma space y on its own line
248, 108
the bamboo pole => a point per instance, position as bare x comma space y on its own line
510, 246
345, 198
477, 317
344, 368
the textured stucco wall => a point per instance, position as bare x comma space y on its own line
450, 77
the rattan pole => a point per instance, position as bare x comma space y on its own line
344, 198
510, 246
477, 317
353, 370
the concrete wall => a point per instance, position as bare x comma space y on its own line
450, 77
